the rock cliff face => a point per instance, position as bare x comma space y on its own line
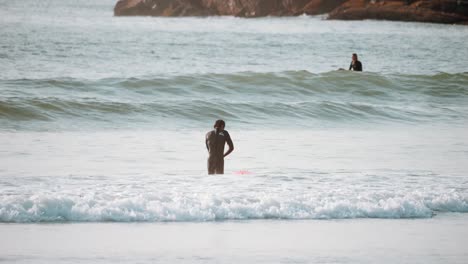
438, 11
240, 8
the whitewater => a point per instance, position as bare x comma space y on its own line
103, 119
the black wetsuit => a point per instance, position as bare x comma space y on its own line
215, 142
357, 66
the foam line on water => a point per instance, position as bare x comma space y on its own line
154, 207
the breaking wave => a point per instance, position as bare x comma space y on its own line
206, 207
248, 98
228, 197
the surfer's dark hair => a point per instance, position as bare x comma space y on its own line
219, 123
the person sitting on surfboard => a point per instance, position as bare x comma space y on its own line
355, 64
215, 141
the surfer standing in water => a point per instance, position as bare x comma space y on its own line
356, 65
215, 141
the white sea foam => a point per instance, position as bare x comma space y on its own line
213, 205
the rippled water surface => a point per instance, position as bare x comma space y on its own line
102, 119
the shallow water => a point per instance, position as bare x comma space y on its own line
313, 241
273, 174
102, 119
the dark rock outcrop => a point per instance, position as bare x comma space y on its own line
161, 8
240, 8
438, 11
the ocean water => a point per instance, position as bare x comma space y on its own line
102, 121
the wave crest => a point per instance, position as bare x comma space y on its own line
206, 207
244, 97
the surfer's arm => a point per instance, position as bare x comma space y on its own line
351, 66
230, 144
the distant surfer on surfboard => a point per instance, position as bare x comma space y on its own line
355, 65
215, 141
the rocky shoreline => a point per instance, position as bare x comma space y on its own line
435, 11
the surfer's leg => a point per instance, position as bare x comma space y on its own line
211, 166
220, 167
